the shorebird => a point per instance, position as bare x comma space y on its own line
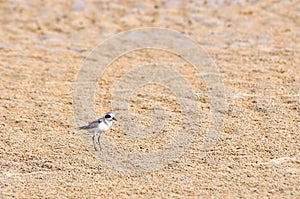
99, 126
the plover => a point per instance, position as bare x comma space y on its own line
99, 126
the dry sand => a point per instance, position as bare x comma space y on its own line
256, 49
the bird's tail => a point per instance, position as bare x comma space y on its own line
82, 127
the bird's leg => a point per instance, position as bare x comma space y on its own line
99, 141
94, 141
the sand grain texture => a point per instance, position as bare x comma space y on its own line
256, 49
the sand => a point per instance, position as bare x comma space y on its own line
255, 49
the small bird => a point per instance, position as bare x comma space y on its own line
99, 126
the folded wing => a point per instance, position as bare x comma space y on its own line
91, 125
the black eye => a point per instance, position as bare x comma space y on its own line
107, 116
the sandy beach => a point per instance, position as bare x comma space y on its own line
254, 48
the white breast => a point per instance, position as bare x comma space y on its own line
105, 126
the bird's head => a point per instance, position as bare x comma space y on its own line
110, 116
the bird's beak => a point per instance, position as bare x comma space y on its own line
114, 119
